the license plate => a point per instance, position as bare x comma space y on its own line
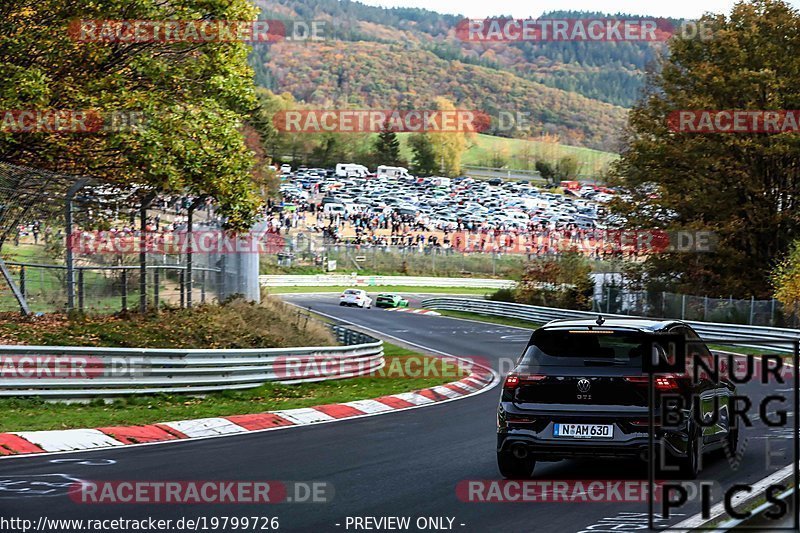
584, 431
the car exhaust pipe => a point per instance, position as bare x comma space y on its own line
519, 451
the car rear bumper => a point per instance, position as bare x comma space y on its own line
554, 448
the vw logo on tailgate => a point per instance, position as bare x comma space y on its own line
584, 385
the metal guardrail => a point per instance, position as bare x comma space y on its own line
81, 372
540, 315
338, 280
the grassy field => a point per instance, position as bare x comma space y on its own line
36, 414
376, 289
379, 262
521, 154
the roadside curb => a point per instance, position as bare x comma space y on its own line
416, 311
25, 443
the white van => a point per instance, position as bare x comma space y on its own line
392, 172
333, 209
347, 170
440, 181
286, 169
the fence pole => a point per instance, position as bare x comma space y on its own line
78, 185
608, 299
190, 250
143, 252
222, 286
705, 308
683, 306
203, 287
772, 313
124, 289
752, 309
663, 304
182, 282
156, 286
22, 281
80, 289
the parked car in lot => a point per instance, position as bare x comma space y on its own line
355, 298
388, 301
579, 390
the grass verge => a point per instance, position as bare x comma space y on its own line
234, 324
490, 318
31, 414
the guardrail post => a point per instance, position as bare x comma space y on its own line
80, 289
156, 286
22, 281
124, 289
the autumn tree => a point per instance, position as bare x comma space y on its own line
744, 187
566, 168
193, 98
785, 280
563, 281
449, 146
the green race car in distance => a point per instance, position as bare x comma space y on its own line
388, 301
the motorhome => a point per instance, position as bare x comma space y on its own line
347, 170
392, 172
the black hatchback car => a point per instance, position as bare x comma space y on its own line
580, 389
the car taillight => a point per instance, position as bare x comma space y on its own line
666, 383
520, 420
515, 380
662, 383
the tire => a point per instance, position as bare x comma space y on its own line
690, 465
341, 304
512, 468
731, 443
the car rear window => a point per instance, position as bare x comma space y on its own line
583, 347
352, 292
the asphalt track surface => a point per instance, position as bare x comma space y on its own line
403, 464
